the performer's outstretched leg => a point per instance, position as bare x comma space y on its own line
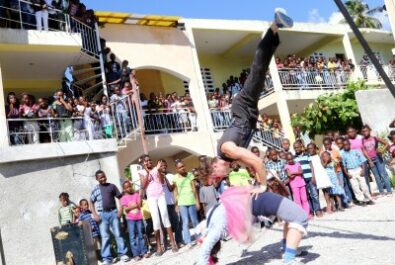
233, 143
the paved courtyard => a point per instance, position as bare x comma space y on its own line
361, 235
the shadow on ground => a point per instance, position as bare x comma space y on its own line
272, 252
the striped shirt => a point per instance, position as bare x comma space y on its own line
87, 217
352, 159
304, 160
277, 166
97, 199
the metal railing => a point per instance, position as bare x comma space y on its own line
174, 121
23, 131
222, 120
268, 138
301, 79
22, 16
124, 115
370, 74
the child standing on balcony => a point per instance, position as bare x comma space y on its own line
296, 182
28, 110
104, 111
40, 8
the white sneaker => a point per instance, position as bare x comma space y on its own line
125, 258
281, 18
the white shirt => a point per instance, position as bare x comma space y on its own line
168, 194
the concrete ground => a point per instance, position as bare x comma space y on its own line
360, 235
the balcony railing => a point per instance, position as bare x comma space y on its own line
177, 121
304, 79
222, 120
55, 130
124, 117
20, 17
370, 74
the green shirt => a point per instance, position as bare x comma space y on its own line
66, 214
239, 178
185, 196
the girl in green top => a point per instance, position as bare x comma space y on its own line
186, 199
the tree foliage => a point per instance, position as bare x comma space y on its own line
331, 112
359, 11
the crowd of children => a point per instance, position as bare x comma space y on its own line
340, 169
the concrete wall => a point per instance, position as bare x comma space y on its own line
222, 67
376, 108
29, 201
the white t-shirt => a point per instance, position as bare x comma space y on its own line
168, 194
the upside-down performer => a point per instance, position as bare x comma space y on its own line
234, 141
234, 215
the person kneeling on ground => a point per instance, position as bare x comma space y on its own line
233, 216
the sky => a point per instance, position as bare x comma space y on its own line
301, 10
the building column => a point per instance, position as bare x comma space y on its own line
285, 116
3, 117
198, 93
350, 54
281, 103
275, 75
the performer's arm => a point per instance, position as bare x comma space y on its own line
232, 151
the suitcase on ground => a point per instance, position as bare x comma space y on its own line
73, 244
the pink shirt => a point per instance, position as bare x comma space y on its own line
134, 198
356, 144
297, 181
370, 146
392, 148
155, 187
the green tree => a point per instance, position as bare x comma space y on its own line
359, 11
331, 112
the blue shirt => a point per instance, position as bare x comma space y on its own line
304, 161
87, 216
352, 159
277, 166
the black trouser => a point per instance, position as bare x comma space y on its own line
175, 223
245, 104
254, 85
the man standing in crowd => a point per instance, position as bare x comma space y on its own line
168, 188
104, 209
354, 166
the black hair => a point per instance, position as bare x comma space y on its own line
99, 172
177, 161
254, 148
83, 200
312, 144
366, 127
392, 133
64, 195
327, 139
339, 138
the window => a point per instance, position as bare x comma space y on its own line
208, 81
